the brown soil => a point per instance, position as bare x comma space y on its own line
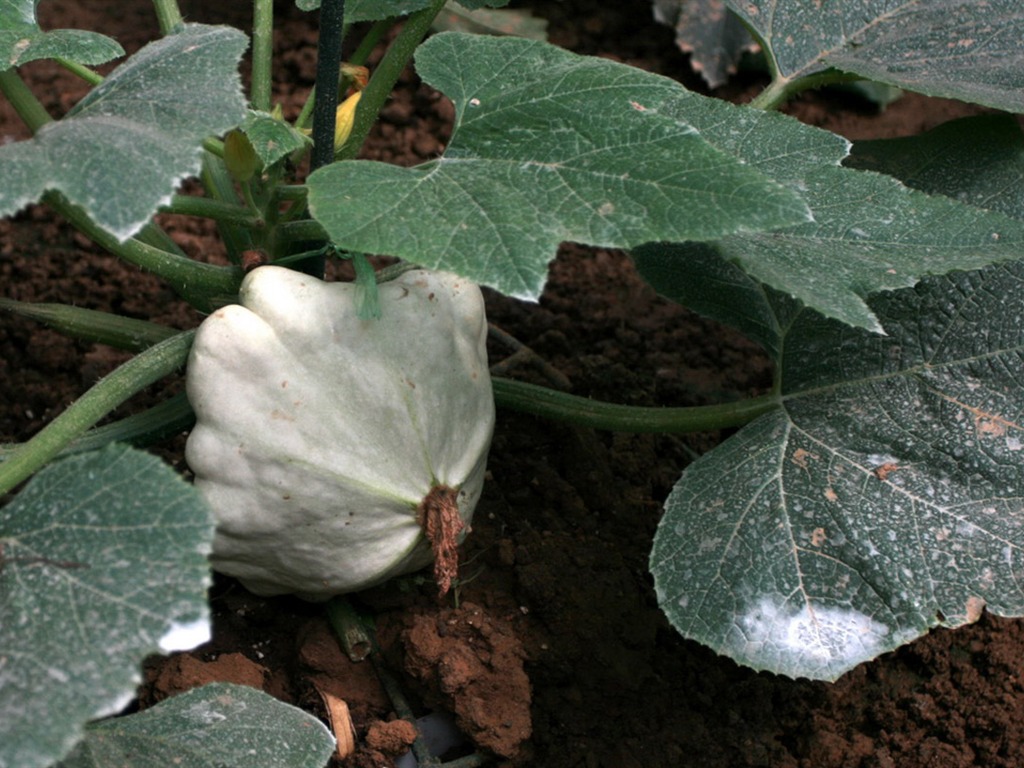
551, 650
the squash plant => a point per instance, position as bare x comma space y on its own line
873, 493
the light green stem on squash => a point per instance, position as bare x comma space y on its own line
103, 397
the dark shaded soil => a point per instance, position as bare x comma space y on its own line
556, 653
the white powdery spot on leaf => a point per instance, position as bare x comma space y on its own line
799, 641
186, 635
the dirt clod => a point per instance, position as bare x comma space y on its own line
391, 738
469, 663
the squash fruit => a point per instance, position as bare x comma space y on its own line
337, 452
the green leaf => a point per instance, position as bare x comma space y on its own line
870, 233
695, 275
547, 147
960, 49
104, 562
271, 139
484, 21
218, 724
715, 39
977, 160
120, 153
22, 41
883, 498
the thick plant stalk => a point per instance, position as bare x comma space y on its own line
108, 393
204, 286
541, 401
164, 420
93, 325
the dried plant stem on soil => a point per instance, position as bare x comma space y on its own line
349, 628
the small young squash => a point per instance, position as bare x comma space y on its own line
337, 452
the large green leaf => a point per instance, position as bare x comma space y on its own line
122, 150
869, 232
962, 49
547, 147
977, 160
21, 39
218, 724
104, 562
884, 497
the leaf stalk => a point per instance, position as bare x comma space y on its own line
103, 397
584, 412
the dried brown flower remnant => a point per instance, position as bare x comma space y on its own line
439, 515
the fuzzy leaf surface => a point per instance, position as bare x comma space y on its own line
217, 724
884, 497
121, 151
271, 139
870, 232
548, 147
485, 21
22, 41
977, 160
104, 562
960, 49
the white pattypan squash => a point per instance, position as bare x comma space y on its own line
329, 447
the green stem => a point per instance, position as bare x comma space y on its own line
384, 77
370, 40
108, 393
92, 325
262, 53
541, 401
212, 208
781, 90
81, 71
301, 231
168, 14
164, 420
204, 286
221, 187
25, 103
